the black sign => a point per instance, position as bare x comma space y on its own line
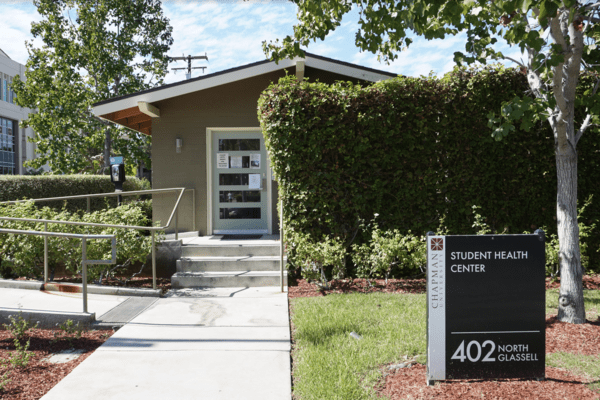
486, 307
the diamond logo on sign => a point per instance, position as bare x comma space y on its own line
437, 244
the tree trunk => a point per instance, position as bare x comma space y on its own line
107, 148
570, 303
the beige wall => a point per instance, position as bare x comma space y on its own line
228, 106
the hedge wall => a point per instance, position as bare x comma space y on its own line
15, 187
413, 150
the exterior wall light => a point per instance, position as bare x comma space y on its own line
178, 145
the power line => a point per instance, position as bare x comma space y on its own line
189, 59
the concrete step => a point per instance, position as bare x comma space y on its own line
227, 279
238, 263
231, 250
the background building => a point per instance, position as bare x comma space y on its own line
14, 147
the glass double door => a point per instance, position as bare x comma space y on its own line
239, 192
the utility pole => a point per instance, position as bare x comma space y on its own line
189, 59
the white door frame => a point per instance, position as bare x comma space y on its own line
209, 174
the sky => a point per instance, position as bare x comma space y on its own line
231, 33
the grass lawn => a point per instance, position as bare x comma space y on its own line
330, 364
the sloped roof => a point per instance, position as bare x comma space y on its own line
2, 53
125, 110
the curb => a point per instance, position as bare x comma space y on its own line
47, 319
76, 288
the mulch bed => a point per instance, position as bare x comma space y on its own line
35, 379
410, 383
141, 282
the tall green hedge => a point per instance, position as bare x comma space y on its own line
414, 150
15, 187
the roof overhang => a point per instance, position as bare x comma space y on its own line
136, 110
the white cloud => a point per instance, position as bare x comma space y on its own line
231, 33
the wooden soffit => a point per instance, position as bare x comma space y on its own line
132, 118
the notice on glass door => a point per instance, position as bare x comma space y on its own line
253, 181
255, 161
236, 161
222, 160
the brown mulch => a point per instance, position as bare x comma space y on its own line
141, 282
410, 383
305, 289
590, 282
38, 377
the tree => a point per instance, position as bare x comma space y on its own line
92, 50
559, 41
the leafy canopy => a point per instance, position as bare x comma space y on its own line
92, 51
558, 39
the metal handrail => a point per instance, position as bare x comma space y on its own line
152, 229
84, 260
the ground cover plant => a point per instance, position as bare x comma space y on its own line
388, 359
25, 373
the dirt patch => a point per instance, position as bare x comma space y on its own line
37, 378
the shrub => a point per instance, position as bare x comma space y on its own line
414, 150
15, 187
23, 254
389, 254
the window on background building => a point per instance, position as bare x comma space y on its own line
10, 92
7, 147
5, 88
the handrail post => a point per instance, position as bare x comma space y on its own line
84, 273
88, 204
153, 262
281, 235
193, 209
45, 253
177, 222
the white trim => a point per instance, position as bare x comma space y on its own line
209, 183
149, 109
234, 76
436, 311
191, 87
345, 70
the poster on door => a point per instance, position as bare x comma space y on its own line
236, 161
254, 181
255, 161
222, 160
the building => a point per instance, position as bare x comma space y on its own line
15, 149
206, 136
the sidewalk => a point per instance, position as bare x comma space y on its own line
49, 307
222, 343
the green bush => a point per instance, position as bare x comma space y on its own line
318, 259
16, 187
389, 254
414, 151
22, 255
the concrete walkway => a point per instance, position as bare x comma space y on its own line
48, 308
222, 343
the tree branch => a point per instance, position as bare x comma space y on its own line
559, 39
586, 124
515, 61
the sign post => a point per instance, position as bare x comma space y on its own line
486, 303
